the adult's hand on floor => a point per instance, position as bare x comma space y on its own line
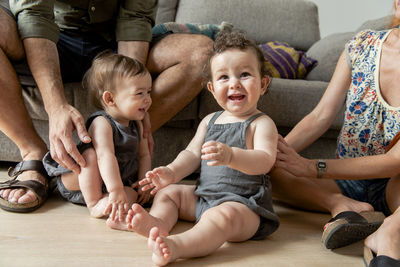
62, 122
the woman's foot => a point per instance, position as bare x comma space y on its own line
140, 221
160, 247
386, 240
343, 203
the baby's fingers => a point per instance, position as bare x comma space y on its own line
145, 181
147, 187
108, 209
209, 143
122, 210
114, 211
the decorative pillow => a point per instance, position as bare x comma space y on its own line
210, 30
283, 61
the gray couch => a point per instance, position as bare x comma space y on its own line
291, 21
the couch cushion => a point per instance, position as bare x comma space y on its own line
327, 52
376, 24
166, 11
291, 21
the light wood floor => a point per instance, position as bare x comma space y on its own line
63, 234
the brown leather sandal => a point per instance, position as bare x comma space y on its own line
41, 190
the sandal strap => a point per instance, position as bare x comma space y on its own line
350, 217
29, 165
38, 188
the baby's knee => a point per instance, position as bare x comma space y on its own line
171, 191
222, 216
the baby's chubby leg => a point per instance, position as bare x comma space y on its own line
90, 184
230, 221
169, 203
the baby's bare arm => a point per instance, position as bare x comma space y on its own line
103, 144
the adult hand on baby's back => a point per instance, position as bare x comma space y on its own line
216, 153
157, 179
62, 122
288, 159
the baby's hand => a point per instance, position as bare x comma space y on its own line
118, 205
216, 153
157, 179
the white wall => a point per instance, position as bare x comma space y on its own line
348, 15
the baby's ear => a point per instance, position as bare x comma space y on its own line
210, 87
265, 81
108, 98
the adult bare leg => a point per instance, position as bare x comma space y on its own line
313, 194
386, 240
14, 119
177, 63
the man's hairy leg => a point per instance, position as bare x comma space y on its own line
14, 119
177, 62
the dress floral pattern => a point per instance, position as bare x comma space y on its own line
370, 123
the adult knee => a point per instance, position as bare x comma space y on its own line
10, 42
201, 49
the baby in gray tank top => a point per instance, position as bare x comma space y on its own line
235, 147
118, 155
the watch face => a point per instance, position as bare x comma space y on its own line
321, 165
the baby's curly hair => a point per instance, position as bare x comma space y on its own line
107, 68
226, 40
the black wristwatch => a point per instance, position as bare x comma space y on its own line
321, 167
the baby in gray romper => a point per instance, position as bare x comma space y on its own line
118, 155
235, 148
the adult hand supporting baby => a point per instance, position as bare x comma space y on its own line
289, 160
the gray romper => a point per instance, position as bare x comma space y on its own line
126, 146
219, 184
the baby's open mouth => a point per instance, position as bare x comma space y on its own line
236, 97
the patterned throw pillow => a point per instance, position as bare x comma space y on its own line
283, 61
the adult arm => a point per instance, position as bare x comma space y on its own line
144, 165
133, 33
368, 167
42, 57
311, 127
39, 33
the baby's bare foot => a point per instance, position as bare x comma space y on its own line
96, 210
141, 222
161, 252
118, 224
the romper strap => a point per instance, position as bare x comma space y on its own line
214, 117
252, 118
